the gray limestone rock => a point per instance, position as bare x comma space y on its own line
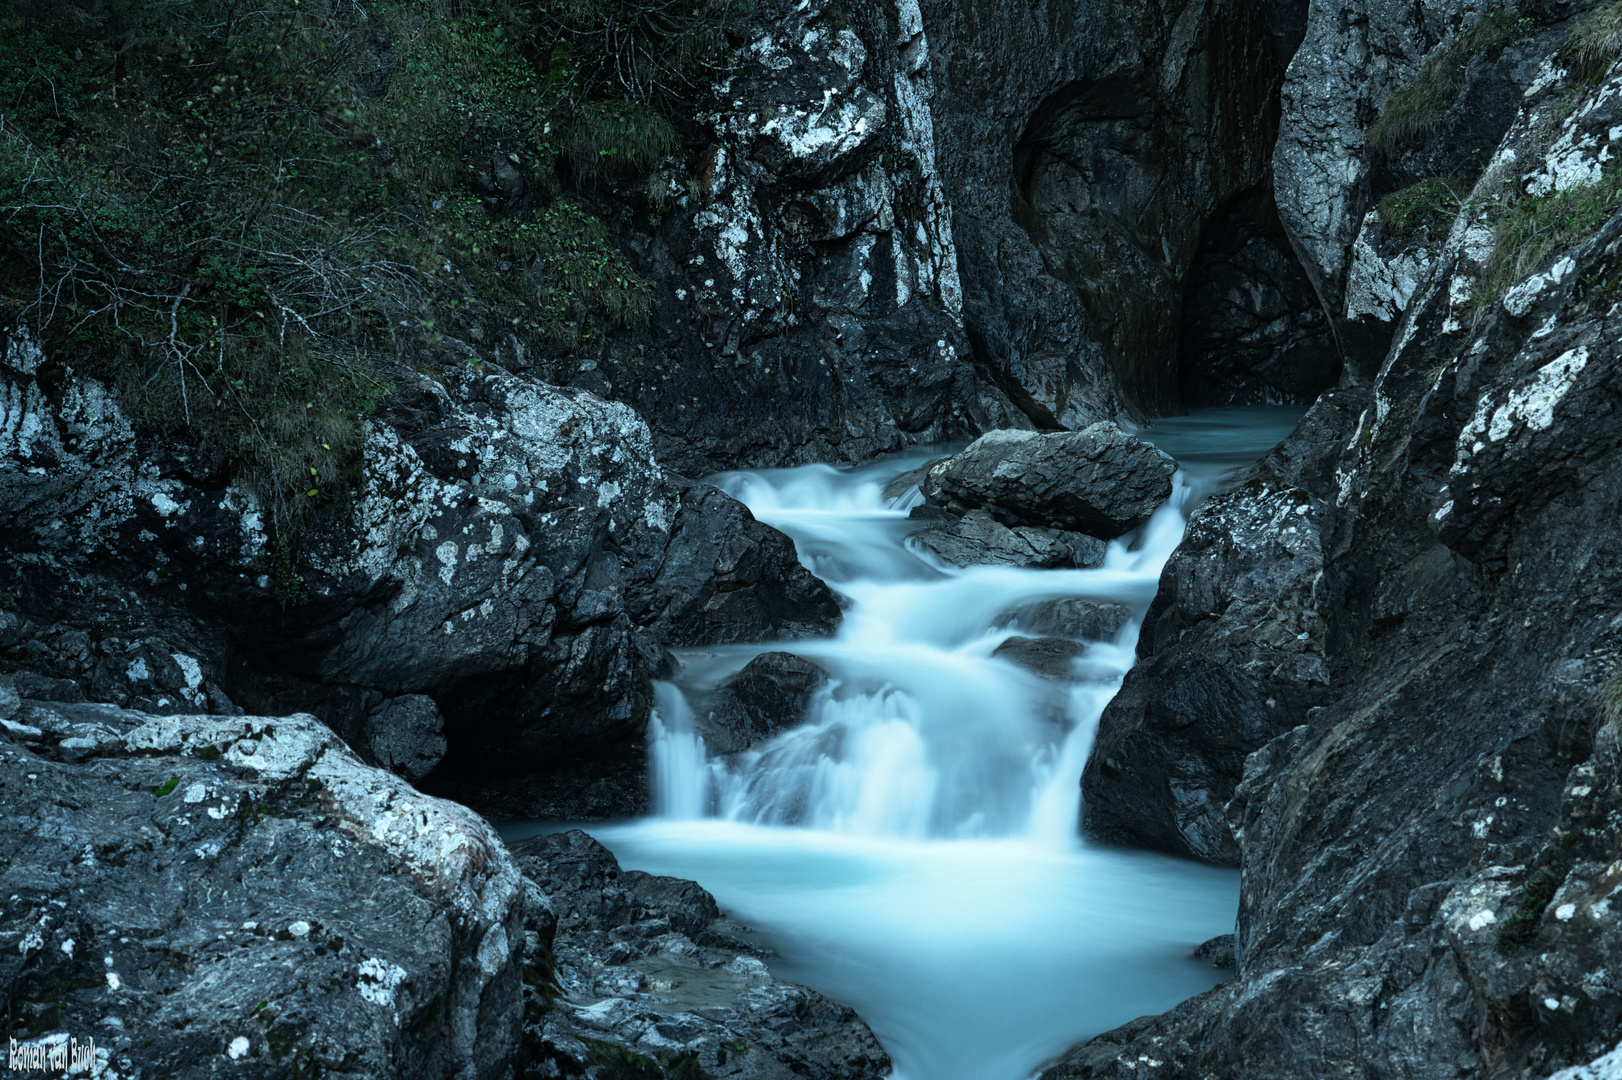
1101, 480
406, 735
648, 967
513, 550
198, 892
1422, 851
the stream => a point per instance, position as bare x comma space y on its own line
911, 849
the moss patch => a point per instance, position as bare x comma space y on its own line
1430, 200
1521, 929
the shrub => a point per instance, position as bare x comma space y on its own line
1521, 929
234, 214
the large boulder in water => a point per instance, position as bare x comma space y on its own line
1100, 480
771, 694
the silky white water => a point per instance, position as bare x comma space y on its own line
911, 848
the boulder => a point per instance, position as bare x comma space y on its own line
770, 695
406, 735
978, 539
1051, 658
1079, 620
644, 971
1100, 480
201, 892
512, 550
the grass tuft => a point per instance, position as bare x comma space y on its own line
1412, 113
1596, 43
1537, 226
1431, 199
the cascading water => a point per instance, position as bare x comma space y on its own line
911, 848
922, 732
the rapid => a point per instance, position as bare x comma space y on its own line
912, 848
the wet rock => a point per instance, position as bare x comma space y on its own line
513, 550
406, 735
646, 969
1079, 620
1218, 952
1100, 481
195, 890
9, 699
1232, 654
1421, 853
771, 694
1051, 658
978, 539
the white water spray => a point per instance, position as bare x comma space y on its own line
921, 731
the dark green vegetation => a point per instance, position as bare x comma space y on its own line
1412, 113
241, 214
1521, 929
1537, 226
1430, 200
1596, 42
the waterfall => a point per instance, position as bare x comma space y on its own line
921, 732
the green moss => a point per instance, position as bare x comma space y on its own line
609, 138
1412, 113
166, 787
1431, 199
1521, 929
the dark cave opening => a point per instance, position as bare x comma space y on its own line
1158, 211
1251, 330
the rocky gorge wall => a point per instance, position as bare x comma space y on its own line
1373, 677
1379, 676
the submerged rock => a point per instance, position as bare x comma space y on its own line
1051, 658
1100, 481
644, 971
978, 539
1079, 620
200, 891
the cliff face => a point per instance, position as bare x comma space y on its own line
1406, 618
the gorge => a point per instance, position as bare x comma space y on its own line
357, 361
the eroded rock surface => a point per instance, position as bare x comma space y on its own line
644, 970
199, 892
1100, 481
1423, 852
